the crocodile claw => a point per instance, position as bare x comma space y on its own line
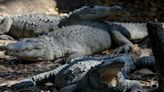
124, 49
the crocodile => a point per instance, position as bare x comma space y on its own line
106, 77
32, 25
79, 40
74, 72
29, 25
84, 35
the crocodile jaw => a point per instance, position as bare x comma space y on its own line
91, 13
108, 75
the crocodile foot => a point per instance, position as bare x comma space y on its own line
123, 49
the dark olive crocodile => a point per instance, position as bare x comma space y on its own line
72, 73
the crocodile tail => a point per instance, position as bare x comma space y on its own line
5, 25
46, 76
37, 79
146, 62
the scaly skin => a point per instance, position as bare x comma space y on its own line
107, 77
90, 13
76, 41
122, 33
60, 44
29, 25
72, 73
131, 30
82, 39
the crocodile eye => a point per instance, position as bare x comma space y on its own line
39, 47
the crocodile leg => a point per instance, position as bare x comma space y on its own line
133, 85
120, 39
146, 62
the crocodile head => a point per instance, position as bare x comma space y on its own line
94, 12
108, 72
5, 25
30, 49
102, 77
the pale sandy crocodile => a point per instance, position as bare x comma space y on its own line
34, 24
